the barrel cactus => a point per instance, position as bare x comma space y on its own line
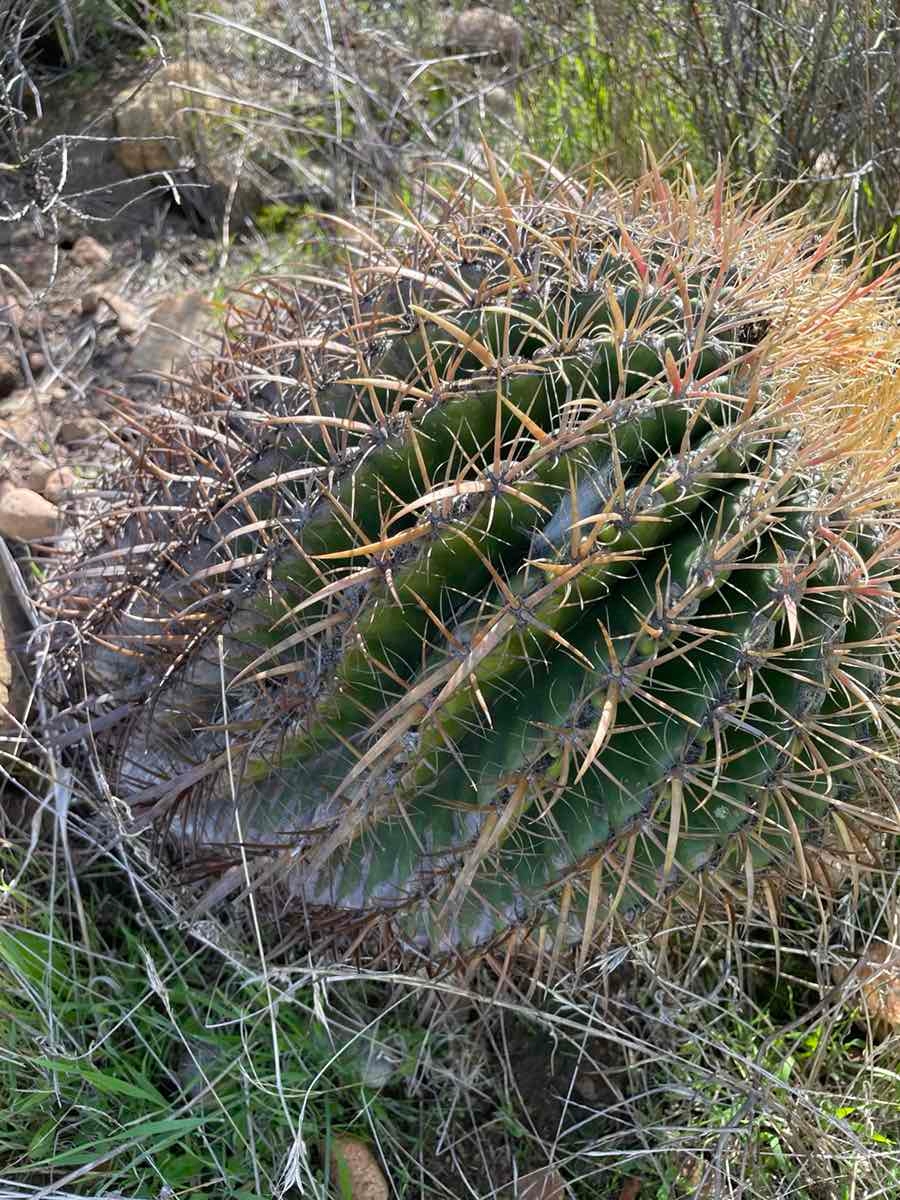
535, 572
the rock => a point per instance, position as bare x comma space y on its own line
127, 314
482, 31
38, 474
21, 419
76, 429
356, 1170
501, 103
161, 121
13, 406
10, 376
36, 361
878, 976
172, 123
87, 252
27, 517
177, 327
59, 484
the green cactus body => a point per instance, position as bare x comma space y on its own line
551, 586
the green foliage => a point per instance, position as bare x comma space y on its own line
144, 1059
785, 91
276, 218
136, 1058
80, 31
778, 1092
586, 108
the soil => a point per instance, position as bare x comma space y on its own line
517, 1120
84, 330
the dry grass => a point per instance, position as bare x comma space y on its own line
141, 1053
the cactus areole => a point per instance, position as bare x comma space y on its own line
521, 581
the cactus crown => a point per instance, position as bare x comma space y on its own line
521, 579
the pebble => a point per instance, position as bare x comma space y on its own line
38, 474
87, 252
127, 314
76, 429
27, 517
357, 1170
878, 976
177, 326
59, 484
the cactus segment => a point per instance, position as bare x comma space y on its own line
557, 582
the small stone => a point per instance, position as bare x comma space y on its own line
36, 361
356, 1170
27, 517
184, 114
179, 324
37, 475
15, 404
879, 979
76, 429
59, 484
491, 35
87, 252
9, 374
127, 315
